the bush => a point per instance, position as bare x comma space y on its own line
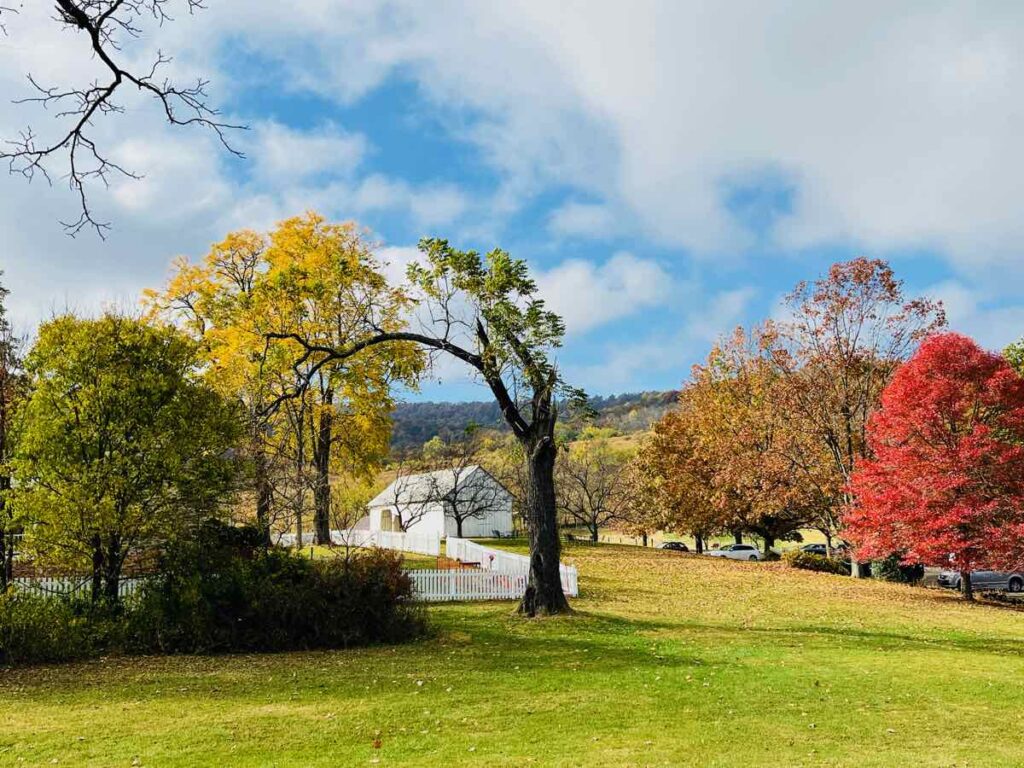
221, 593
797, 558
36, 629
893, 569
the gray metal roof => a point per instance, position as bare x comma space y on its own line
430, 486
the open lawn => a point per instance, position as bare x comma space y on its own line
668, 660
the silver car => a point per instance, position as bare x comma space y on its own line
1002, 581
736, 552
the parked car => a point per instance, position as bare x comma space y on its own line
815, 549
1001, 581
737, 552
675, 546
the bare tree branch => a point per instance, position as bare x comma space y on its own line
106, 24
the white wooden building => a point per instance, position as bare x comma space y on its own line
432, 502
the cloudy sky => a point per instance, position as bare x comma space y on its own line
669, 169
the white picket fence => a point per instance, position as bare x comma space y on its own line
499, 561
447, 586
420, 543
63, 586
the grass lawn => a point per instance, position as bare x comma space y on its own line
669, 660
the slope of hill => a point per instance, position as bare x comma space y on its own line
415, 423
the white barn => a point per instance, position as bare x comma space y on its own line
433, 502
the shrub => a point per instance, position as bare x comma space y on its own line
220, 594
797, 558
37, 629
893, 569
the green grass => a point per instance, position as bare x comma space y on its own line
668, 660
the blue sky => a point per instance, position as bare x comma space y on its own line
668, 171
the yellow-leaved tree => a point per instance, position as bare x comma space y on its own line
317, 281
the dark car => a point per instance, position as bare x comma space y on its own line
675, 546
815, 549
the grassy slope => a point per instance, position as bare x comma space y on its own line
669, 660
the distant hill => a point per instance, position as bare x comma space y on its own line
416, 423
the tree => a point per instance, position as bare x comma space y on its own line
12, 391
1014, 355
122, 446
317, 281
745, 439
592, 485
947, 473
216, 303
458, 482
106, 26
845, 336
485, 313
676, 477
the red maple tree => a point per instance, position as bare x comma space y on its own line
946, 475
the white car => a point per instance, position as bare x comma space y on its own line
737, 552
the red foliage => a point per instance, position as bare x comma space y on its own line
947, 475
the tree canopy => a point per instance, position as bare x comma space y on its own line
122, 446
947, 472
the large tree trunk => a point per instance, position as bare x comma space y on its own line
544, 595
698, 540
966, 587
593, 533
769, 542
737, 536
322, 489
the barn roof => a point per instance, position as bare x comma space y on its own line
430, 486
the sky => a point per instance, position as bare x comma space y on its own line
668, 169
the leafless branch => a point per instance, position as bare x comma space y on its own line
106, 24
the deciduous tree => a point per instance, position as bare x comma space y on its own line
845, 335
485, 312
592, 485
122, 445
947, 473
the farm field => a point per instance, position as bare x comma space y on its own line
668, 660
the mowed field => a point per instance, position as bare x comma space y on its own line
669, 660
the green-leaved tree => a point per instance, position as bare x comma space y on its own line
122, 446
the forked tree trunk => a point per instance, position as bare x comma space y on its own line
966, 587
322, 489
544, 595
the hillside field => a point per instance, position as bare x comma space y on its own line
668, 660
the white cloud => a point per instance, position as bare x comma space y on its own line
630, 366
583, 220
281, 154
894, 122
589, 295
972, 312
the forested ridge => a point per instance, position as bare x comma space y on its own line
415, 423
